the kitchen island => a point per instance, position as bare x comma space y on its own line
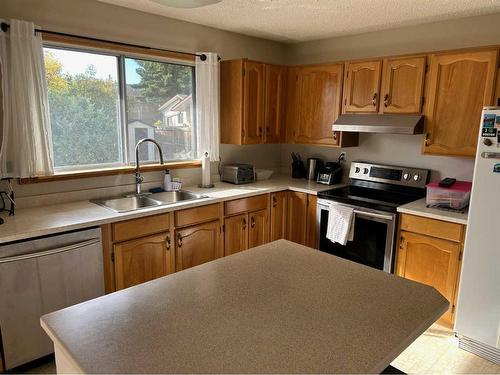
276, 308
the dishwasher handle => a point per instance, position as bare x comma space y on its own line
57, 250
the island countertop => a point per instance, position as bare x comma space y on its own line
276, 308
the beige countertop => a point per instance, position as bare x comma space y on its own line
419, 208
44, 220
277, 308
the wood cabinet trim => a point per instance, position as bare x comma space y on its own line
140, 227
196, 215
243, 205
433, 228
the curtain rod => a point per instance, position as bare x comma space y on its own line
5, 26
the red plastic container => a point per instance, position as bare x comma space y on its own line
456, 197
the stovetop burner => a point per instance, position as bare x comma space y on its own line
380, 187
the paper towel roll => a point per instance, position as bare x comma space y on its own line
205, 170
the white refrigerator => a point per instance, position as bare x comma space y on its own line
477, 323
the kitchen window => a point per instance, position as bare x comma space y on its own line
102, 104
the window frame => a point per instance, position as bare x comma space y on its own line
120, 52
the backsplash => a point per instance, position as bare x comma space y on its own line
392, 149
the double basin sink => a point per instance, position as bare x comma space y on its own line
136, 202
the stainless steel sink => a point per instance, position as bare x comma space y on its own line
133, 202
168, 197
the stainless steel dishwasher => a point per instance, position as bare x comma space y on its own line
39, 276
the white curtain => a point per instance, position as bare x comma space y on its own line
207, 105
26, 149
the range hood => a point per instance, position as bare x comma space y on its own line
386, 124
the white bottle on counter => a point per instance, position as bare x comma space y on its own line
167, 181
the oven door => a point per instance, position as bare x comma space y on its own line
373, 240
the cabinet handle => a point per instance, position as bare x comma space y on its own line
252, 221
335, 136
374, 99
401, 242
168, 242
244, 223
275, 202
386, 100
427, 139
179, 240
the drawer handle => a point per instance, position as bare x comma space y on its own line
179, 240
168, 242
374, 99
386, 100
252, 222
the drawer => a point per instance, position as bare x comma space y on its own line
126, 230
197, 215
238, 206
432, 227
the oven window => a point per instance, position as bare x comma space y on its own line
368, 246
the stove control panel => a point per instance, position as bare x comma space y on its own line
389, 174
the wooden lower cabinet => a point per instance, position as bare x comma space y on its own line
258, 233
278, 222
140, 260
301, 218
432, 261
197, 244
235, 234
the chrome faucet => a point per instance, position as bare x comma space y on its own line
138, 177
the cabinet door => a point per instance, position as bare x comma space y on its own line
141, 260
197, 244
317, 101
433, 262
259, 228
297, 217
361, 88
402, 85
311, 236
459, 85
278, 215
235, 234
275, 103
253, 102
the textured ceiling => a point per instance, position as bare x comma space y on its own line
304, 20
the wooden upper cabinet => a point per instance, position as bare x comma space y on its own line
402, 85
275, 97
197, 244
258, 233
253, 102
431, 261
315, 103
278, 221
458, 86
235, 234
361, 86
141, 260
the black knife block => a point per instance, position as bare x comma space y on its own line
298, 169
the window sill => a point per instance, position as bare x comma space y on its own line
61, 176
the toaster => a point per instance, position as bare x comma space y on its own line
238, 173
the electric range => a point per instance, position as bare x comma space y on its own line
375, 192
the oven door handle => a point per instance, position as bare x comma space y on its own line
371, 214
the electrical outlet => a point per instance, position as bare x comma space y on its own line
342, 156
